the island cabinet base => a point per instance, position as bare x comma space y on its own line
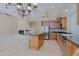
36, 42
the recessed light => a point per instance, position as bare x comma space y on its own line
66, 10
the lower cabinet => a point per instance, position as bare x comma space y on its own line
70, 48
36, 42
67, 47
40, 40
52, 36
74, 48
60, 40
68, 51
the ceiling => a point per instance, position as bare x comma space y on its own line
53, 10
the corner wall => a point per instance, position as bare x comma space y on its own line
7, 25
72, 22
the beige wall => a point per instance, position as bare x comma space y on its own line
22, 23
34, 24
7, 25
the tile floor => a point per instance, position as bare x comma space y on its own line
17, 45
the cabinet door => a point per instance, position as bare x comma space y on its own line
70, 48
64, 22
52, 36
41, 40
74, 48
59, 40
33, 42
68, 51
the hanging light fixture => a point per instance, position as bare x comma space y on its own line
35, 5
29, 9
19, 6
24, 9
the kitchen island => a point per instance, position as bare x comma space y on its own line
36, 41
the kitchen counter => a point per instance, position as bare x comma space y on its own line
36, 34
72, 38
57, 31
66, 35
63, 31
68, 43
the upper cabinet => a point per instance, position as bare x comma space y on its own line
64, 22
77, 13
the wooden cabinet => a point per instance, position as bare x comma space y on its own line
41, 40
33, 42
64, 22
60, 40
52, 36
70, 48
68, 51
77, 13
36, 42
74, 48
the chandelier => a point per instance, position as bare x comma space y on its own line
24, 9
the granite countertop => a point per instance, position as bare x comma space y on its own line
36, 33
59, 31
72, 38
